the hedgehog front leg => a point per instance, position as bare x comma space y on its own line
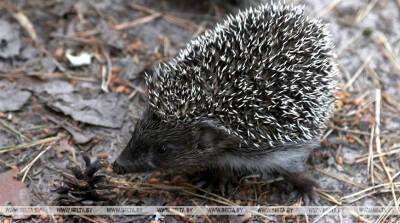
215, 179
304, 185
289, 161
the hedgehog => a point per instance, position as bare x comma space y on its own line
252, 95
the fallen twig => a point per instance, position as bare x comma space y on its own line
106, 71
364, 12
358, 72
365, 157
137, 22
388, 52
14, 131
5, 149
341, 178
186, 24
26, 169
370, 164
26, 24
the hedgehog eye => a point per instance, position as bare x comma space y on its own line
162, 149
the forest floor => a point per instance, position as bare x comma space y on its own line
71, 83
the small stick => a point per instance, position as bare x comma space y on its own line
135, 91
358, 72
370, 194
323, 214
5, 149
359, 218
378, 99
29, 166
329, 197
180, 214
378, 140
207, 218
375, 77
6, 164
386, 213
370, 165
350, 130
325, 136
38, 128
346, 45
347, 197
26, 24
90, 40
392, 102
340, 178
137, 22
14, 131
388, 52
142, 8
364, 157
183, 23
364, 12
306, 217
396, 175
359, 141
344, 73
378, 175
106, 71
329, 8
24, 21
133, 94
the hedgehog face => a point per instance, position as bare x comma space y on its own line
156, 145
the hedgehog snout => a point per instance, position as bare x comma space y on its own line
122, 165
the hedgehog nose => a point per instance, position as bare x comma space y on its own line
118, 169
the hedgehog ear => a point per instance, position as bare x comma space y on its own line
208, 136
149, 115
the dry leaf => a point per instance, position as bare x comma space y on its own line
13, 191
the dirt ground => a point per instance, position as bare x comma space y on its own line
71, 83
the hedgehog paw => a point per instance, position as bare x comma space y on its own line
305, 187
212, 180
